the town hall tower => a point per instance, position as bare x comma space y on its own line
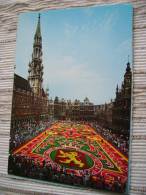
35, 70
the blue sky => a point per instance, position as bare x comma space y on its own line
85, 50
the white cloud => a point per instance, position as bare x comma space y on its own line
108, 22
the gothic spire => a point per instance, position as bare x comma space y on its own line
38, 29
35, 71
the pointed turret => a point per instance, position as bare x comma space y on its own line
127, 79
35, 72
37, 36
128, 69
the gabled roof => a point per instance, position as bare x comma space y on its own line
21, 83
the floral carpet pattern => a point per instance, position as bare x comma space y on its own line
77, 147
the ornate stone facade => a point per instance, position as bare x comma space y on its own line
122, 104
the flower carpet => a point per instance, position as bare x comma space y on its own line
77, 148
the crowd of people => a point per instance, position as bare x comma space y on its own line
120, 141
24, 131
48, 171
